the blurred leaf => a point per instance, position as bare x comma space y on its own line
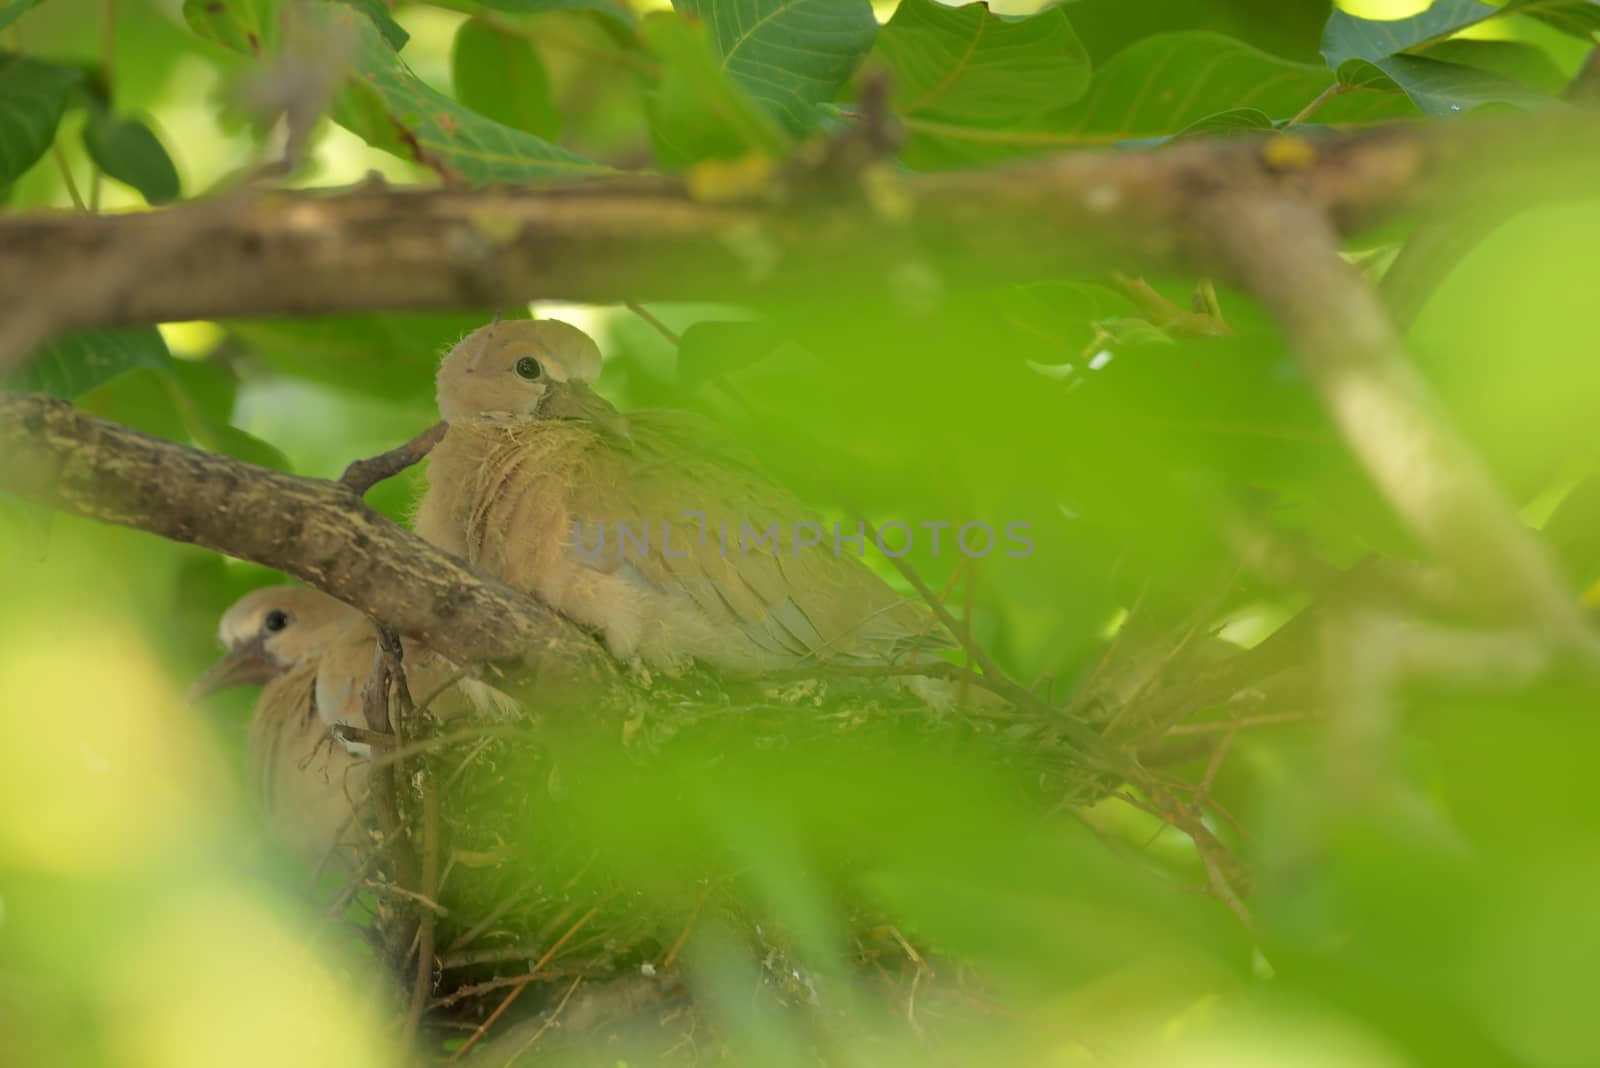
78, 362
709, 349
389, 356
788, 55
247, 26
964, 64
617, 12
390, 108
33, 94
203, 391
12, 12
1439, 89
378, 12
127, 150
498, 74
696, 114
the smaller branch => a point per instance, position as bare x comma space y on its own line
1336, 89
362, 475
65, 167
660, 327
1285, 252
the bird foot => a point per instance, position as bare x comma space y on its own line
359, 741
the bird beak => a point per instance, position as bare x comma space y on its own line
585, 403
244, 665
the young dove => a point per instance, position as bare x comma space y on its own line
540, 483
307, 787
312, 655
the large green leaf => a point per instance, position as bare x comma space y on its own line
1165, 84
390, 108
695, 112
1436, 87
790, 55
965, 65
1581, 18
247, 26
1347, 36
127, 150
33, 95
498, 74
78, 362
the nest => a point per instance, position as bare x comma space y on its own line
558, 873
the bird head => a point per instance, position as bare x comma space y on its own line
518, 370
269, 631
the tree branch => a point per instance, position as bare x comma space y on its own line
641, 239
318, 531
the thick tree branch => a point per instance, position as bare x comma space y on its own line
639, 239
318, 531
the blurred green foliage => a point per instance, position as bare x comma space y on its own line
1439, 913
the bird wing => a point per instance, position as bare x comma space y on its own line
734, 551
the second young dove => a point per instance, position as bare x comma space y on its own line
312, 656
633, 525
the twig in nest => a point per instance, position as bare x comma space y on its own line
683, 936
489, 1021
513, 980
423, 984
362, 475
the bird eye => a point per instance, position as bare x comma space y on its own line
276, 620
529, 368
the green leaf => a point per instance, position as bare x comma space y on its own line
1234, 120
695, 112
1347, 37
78, 362
247, 26
616, 12
33, 94
1439, 89
12, 12
498, 74
1164, 84
390, 108
1516, 60
378, 12
128, 151
789, 55
965, 66
1580, 18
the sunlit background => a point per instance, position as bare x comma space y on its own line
1441, 913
